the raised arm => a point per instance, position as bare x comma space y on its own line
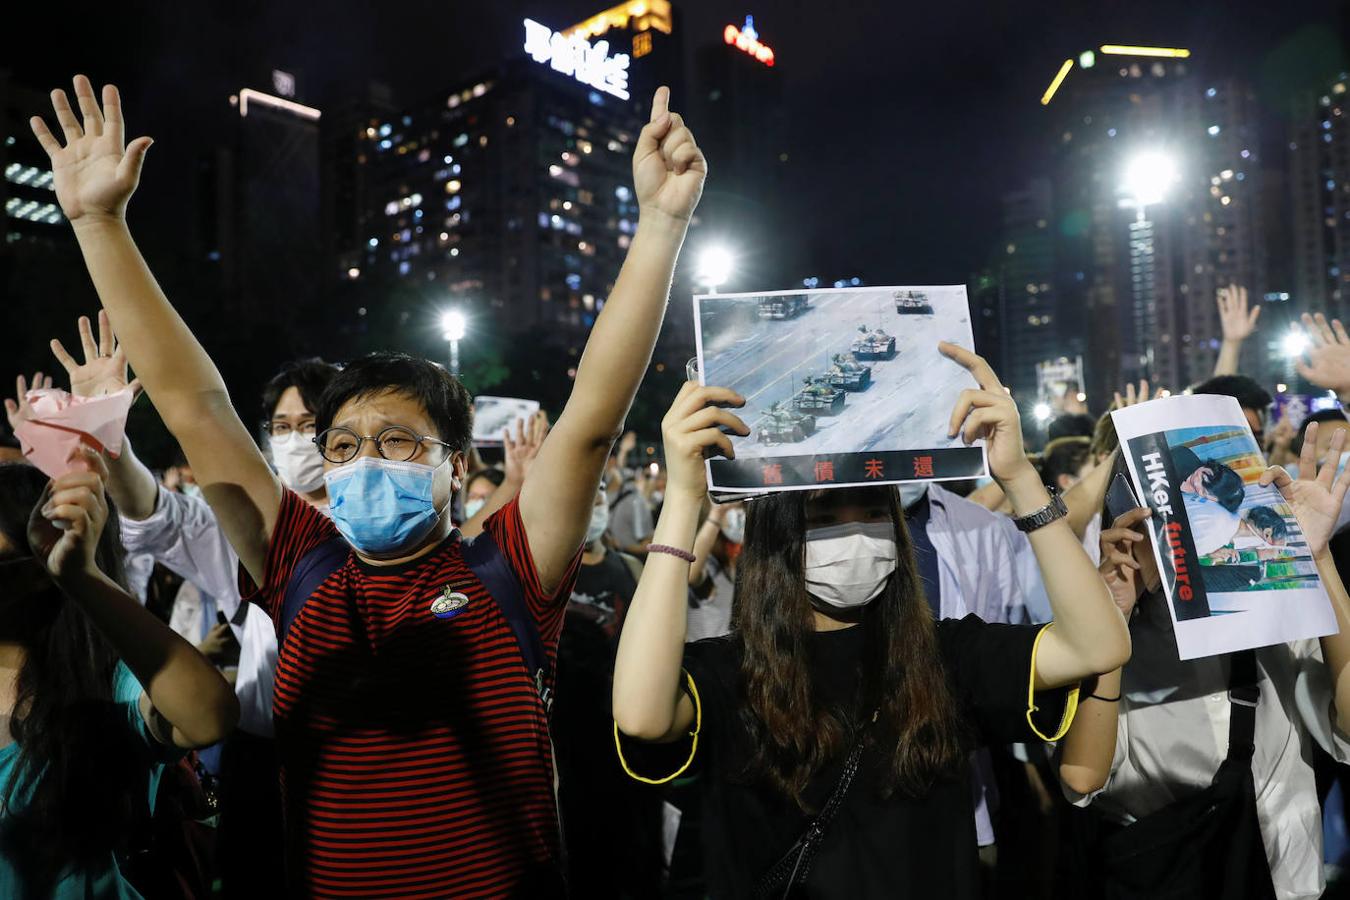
648, 702
520, 453
95, 176
1317, 501
1328, 362
1237, 323
1089, 636
186, 701
668, 173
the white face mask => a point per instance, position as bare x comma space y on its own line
472, 506
733, 526
299, 465
911, 492
599, 523
847, 565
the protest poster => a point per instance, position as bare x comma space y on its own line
1235, 568
843, 387
493, 415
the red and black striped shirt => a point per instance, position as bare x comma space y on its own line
414, 750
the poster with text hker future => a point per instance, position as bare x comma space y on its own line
842, 387
492, 416
1235, 568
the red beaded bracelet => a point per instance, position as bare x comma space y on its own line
671, 551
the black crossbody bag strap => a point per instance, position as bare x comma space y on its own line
1243, 694
792, 867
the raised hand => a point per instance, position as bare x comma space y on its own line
1132, 397
95, 172
668, 166
988, 413
1118, 568
521, 450
692, 432
1317, 496
18, 409
65, 526
1328, 361
104, 370
1235, 319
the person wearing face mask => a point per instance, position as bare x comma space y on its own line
612, 846
97, 696
479, 489
831, 728
1199, 772
712, 577
181, 532
415, 668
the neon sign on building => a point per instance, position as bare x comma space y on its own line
575, 56
747, 39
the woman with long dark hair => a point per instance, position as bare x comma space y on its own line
95, 693
831, 728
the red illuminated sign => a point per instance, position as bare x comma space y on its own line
747, 39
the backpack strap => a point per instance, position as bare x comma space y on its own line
311, 571
1244, 692
486, 560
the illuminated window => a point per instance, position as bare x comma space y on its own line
642, 44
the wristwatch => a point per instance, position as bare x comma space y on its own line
1051, 512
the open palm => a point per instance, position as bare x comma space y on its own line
95, 174
668, 166
104, 370
1317, 497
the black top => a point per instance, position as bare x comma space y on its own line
897, 847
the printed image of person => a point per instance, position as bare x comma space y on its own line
1213, 493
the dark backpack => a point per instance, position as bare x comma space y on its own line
483, 557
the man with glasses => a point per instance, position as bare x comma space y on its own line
413, 742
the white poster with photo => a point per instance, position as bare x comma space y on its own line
493, 415
843, 387
1234, 565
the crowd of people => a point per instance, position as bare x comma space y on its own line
349, 656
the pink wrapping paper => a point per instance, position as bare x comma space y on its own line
55, 424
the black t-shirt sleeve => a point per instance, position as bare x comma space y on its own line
709, 676
991, 670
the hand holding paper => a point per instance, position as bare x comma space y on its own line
1316, 501
53, 426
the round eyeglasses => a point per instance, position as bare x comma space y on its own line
340, 445
286, 429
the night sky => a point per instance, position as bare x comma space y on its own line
908, 121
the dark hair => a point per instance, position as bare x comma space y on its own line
1225, 484
78, 764
1264, 517
1064, 456
1105, 441
1071, 425
496, 476
440, 393
308, 376
901, 672
1246, 391
1326, 415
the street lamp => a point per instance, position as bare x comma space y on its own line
453, 327
1295, 343
1042, 412
1145, 182
715, 265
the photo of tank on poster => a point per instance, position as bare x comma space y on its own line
843, 387
493, 415
1235, 568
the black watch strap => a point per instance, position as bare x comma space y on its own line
1042, 517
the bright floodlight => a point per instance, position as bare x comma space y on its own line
715, 265
1041, 411
1294, 343
1148, 177
453, 324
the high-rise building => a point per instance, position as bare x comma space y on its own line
1030, 327
26, 190
1157, 203
1319, 188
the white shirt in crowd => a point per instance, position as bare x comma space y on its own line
710, 617
184, 536
630, 517
1172, 734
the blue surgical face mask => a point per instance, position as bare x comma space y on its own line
381, 506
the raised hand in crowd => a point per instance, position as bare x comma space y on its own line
1120, 567
1133, 396
519, 451
104, 370
186, 702
1280, 442
1316, 496
1238, 322
17, 409
1327, 362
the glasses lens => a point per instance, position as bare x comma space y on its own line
398, 444
339, 445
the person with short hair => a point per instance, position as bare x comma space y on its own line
407, 726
